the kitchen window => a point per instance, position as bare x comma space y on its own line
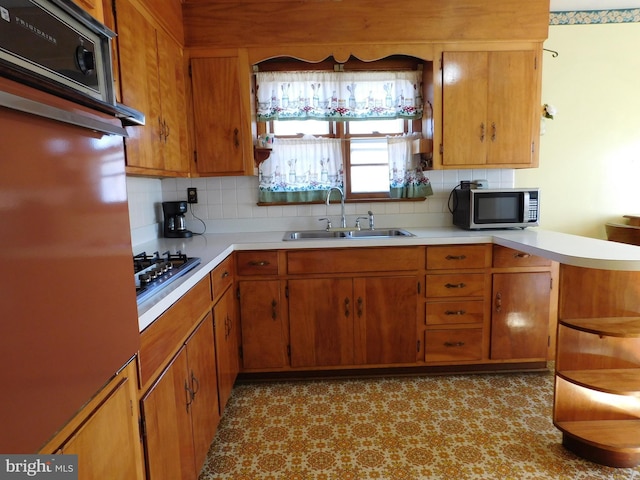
360, 131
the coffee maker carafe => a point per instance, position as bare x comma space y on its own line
174, 223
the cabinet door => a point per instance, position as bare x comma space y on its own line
174, 109
321, 322
93, 8
386, 316
218, 115
139, 82
464, 108
520, 318
263, 339
167, 414
490, 108
512, 107
203, 378
226, 338
99, 442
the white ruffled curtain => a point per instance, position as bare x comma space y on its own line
301, 170
339, 96
406, 175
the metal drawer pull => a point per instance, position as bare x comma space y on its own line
455, 312
498, 302
347, 307
274, 309
225, 274
259, 263
453, 344
455, 257
455, 285
521, 255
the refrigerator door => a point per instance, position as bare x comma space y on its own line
67, 294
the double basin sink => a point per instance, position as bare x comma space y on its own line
347, 234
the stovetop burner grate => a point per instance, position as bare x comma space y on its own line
154, 272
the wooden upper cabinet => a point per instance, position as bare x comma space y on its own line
152, 81
221, 118
490, 110
92, 7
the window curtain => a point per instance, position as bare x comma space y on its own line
339, 96
406, 175
301, 170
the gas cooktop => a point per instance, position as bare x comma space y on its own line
154, 272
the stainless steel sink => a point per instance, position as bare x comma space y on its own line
353, 234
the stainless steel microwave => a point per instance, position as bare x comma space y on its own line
476, 209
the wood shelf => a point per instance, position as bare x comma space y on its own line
619, 381
626, 327
615, 443
260, 155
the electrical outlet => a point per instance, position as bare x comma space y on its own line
192, 195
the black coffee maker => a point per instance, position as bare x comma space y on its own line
174, 223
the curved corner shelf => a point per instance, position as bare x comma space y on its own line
597, 390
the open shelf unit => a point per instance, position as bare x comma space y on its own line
597, 389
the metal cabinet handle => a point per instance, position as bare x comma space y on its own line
453, 344
274, 309
360, 307
347, 305
521, 255
225, 274
161, 124
194, 380
259, 263
167, 131
482, 132
498, 302
455, 257
190, 395
493, 131
236, 139
455, 312
455, 285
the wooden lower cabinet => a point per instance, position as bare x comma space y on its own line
181, 410
520, 315
353, 321
226, 346
99, 440
264, 340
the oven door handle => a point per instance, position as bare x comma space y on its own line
39, 109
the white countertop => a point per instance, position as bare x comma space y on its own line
214, 248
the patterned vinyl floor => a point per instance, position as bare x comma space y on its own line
454, 427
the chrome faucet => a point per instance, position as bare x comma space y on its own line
343, 220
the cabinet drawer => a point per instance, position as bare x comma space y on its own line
447, 313
163, 338
456, 285
357, 260
259, 262
454, 345
222, 276
450, 257
507, 257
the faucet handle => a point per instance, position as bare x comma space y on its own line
371, 220
358, 221
328, 223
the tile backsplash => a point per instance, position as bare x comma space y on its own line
228, 204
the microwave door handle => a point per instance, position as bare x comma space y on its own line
525, 207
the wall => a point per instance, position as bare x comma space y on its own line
590, 154
228, 204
